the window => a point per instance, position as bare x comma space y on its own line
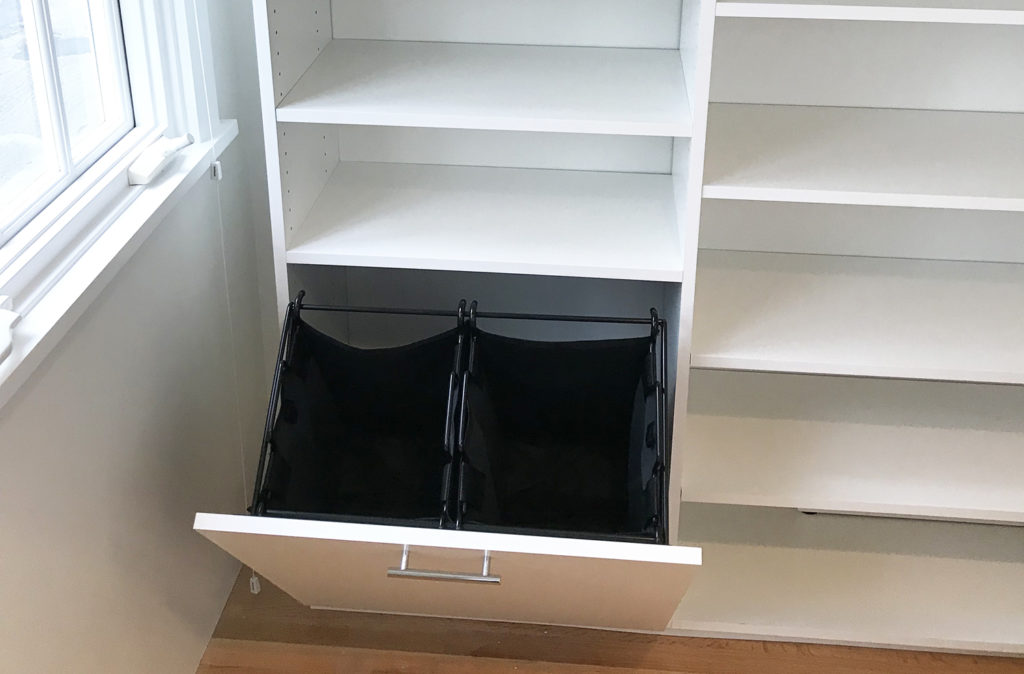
86, 88
64, 99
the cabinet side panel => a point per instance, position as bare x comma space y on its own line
299, 30
697, 31
309, 154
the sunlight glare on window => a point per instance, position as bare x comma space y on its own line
89, 56
64, 99
28, 155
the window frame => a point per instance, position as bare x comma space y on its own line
170, 70
162, 78
39, 25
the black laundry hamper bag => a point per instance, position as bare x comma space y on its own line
469, 430
563, 438
360, 434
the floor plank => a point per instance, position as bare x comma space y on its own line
263, 657
270, 632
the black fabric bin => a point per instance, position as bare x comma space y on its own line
469, 430
562, 438
360, 433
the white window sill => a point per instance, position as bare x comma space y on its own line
42, 328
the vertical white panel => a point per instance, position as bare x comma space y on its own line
596, 23
689, 45
309, 154
299, 30
268, 118
688, 177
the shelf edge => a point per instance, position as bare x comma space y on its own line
673, 275
726, 192
298, 114
782, 10
861, 508
736, 363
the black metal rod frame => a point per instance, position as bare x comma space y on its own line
275, 396
624, 320
458, 384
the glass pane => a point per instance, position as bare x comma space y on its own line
93, 77
28, 153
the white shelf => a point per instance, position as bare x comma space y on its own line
497, 87
875, 317
778, 574
861, 156
519, 221
866, 446
994, 12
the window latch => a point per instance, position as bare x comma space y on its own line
8, 317
155, 159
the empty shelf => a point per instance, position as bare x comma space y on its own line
996, 12
862, 156
519, 221
782, 575
836, 444
875, 317
498, 87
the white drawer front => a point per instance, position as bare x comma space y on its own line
533, 579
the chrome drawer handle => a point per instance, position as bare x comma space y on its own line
404, 571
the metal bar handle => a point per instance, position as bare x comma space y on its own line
404, 571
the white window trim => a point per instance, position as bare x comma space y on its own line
54, 100
60, 261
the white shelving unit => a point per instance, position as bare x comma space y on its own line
825, 200
536, 156
857, 346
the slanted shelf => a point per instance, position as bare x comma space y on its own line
997, 12
495, 87
875, 317
912, 158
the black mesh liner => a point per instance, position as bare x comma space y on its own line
559, 436
360, 432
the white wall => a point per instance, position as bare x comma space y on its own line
137, 420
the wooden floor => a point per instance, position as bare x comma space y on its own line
270, 632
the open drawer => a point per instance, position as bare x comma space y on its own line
466, 474
536, 579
